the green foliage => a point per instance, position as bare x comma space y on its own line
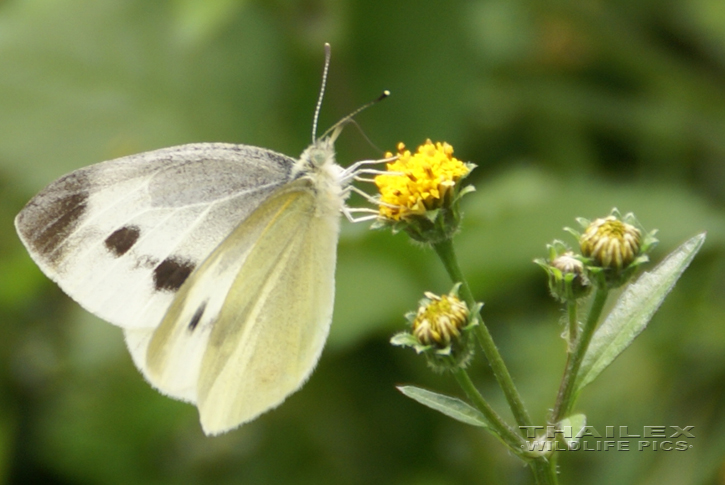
633, 311
450, 406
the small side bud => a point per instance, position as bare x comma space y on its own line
440, 329
567, 277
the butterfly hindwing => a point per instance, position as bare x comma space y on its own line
172, 362
260, 350
122, 236
248, 327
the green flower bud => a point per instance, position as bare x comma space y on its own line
614, 247
611, 243
440, 320
440, 329
567, 276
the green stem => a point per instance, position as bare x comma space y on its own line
507, 434
573, 333
446, 253
544, 471
564, 400
571, 307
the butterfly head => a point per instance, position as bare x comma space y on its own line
321, 154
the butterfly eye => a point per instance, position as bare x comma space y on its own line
319, 157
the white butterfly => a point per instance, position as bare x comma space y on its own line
217, 260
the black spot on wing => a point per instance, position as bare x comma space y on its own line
122, 240
171, 273
197, 317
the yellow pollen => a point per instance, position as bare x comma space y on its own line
428, 176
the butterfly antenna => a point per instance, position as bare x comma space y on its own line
322, 92
364, 135
349, 118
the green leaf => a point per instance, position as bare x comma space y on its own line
633, 311
450, 406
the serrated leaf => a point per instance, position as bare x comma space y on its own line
633, 311
450, 406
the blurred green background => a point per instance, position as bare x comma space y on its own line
569, 108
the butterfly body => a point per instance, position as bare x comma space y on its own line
217, 260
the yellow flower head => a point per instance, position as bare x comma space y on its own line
420, 181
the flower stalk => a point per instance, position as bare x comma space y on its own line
572, 327
564, 400
445, 251
544, 471
510, 437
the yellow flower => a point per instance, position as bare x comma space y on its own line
419, 182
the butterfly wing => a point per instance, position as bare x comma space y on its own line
122, 236
253, 337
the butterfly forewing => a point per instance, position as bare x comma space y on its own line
122, 236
